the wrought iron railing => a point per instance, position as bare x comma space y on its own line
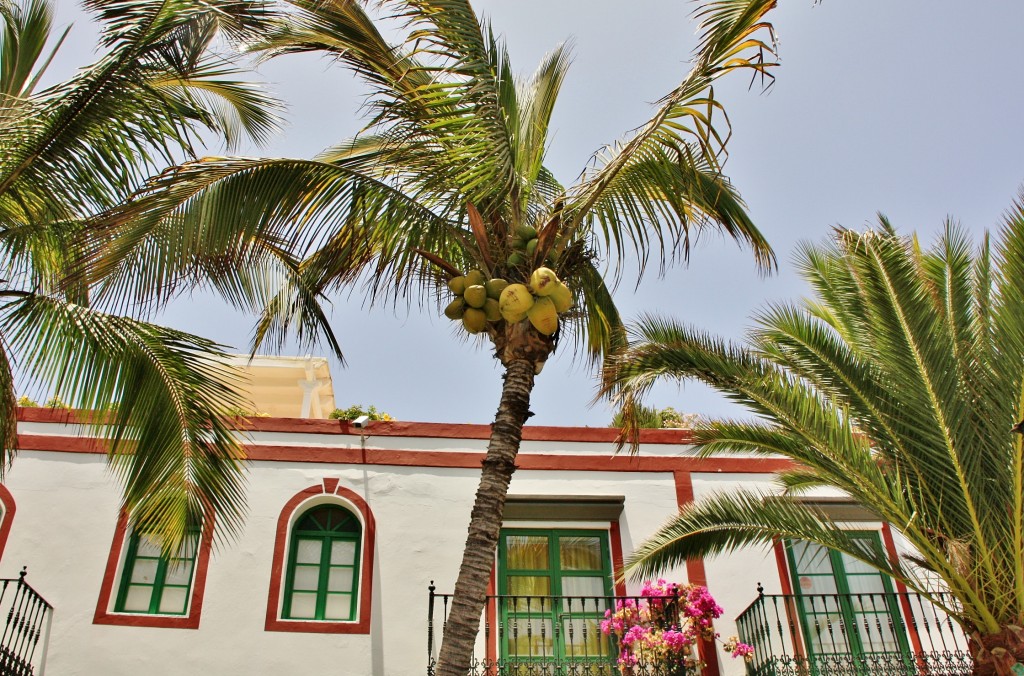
546, 636
852, 635
26, 630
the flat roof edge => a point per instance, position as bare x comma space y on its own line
391, 428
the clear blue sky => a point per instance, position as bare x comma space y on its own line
911, 108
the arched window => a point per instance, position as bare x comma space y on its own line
322, 573
323, 565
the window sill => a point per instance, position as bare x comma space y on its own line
147, 620
318, 626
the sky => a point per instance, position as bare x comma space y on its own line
909, 108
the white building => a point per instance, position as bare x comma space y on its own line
348, 528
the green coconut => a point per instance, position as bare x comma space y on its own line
475, 295
561, 296
474, 320
515, 259
543, 316
531, 246
526, 232
495, 287
492, 309
457, 285
475, 277
543, 281
515, 300
455, 309
518, 243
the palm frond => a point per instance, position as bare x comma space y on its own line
536, 100
677, 151
84, 144
235, 213
25, 32
721, 523
159, 394
8, 409
895, 384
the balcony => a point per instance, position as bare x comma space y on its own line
852, 635
26, 616
545, 636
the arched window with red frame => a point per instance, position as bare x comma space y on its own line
322, 570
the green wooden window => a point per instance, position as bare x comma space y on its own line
323, 566
154, 583
554, 578
847, 608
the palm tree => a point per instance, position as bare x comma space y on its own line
449, 172
69, 152
897, 383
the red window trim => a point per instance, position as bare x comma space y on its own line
104, 614
297, 503
7, 500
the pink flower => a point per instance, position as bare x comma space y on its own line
657, 628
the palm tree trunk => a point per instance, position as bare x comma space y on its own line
463, 621
997, 654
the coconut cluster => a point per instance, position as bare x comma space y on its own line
524, 244
480, 300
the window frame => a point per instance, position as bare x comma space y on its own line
326, 540
556, 575
116, 568
843, 594
328, 492
159, 576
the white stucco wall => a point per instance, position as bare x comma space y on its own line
67, 506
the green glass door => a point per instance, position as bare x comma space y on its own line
555, 586
848, 612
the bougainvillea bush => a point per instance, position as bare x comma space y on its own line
660, 629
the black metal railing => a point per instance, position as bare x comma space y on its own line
901, 634
27, 628
548, 636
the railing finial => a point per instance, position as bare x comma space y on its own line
23, 573
760, 589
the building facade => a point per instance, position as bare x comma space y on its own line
349, 528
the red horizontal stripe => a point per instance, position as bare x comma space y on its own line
454, 459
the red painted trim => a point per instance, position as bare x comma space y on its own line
104, 614
785, 581
8, 518
491, 642
615, 541
894, 557
448, 459
684, 488
61, 444
533, 461
786, 584
52, 415
393, 428
695, 571
277, 569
